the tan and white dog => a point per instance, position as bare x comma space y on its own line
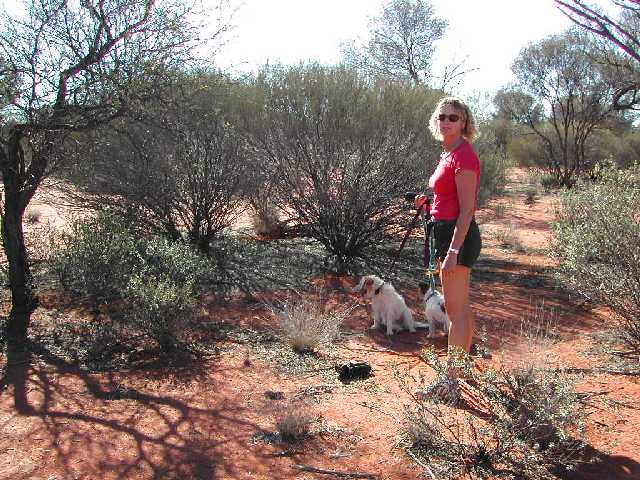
434, 309
387, 305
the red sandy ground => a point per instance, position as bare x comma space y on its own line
202, 422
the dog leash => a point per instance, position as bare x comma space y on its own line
410, 228
432, 270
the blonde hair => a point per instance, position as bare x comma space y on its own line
470, 132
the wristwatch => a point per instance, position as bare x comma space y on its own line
454, 250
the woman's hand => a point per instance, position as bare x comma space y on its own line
450, 261
420, 200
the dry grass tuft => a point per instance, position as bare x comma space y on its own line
306, 323
294, 424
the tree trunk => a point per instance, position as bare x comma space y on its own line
22, 298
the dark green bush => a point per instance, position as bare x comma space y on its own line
597, 245
160, 307
97, 258
154, 281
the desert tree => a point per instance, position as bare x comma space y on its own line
559, 103
401, 44
76, 65
342, 149
176, 168
620, 34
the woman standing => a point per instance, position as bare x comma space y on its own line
455, 183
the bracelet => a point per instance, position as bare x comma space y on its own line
454, 250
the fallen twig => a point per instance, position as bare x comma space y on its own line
375, 408
596, 370
322, 471
426, 467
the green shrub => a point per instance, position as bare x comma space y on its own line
532, 427
154, 281
161, 308
526, 151
97, 258
176, 262
493, 175
548, 182
597, 235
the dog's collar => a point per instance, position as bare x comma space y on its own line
379, 289
433, 292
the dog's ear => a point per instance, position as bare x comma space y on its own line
368, 283
424, 287
358, 287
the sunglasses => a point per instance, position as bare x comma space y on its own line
452, 117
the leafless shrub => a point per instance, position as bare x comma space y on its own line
183, 176
339, 151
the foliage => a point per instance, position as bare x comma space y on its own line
185, 145
531, 427
527, 151
597, 243
493, 176
163, 308
340, 151
401, 44
97, 258
154, 281
558, 103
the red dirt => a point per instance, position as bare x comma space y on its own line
203, 421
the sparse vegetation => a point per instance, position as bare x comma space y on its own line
294, 423
597, 244
306, 324
530, 195
531, 427
508, 237
500, 209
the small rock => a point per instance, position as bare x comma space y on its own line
272, 395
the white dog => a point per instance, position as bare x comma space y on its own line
387, 305
434, 310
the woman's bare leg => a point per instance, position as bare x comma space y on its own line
455, 287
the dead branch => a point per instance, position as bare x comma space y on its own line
322, 471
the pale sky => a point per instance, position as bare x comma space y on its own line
490, 33
487, 34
